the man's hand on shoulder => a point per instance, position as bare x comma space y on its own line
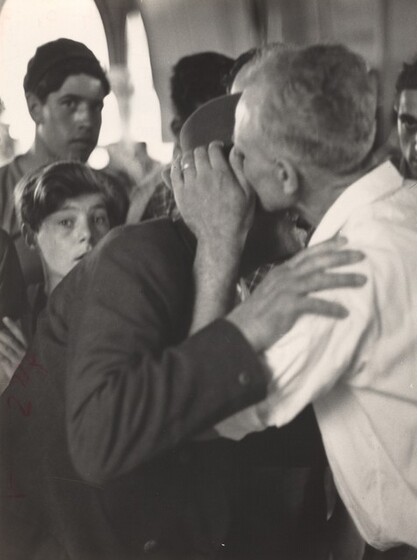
285, 293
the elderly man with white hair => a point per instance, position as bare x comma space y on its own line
304, 132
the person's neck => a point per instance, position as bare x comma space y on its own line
320, 192
37, 155
51, 280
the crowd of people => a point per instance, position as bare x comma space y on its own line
230, 372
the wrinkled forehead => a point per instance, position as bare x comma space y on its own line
407, 102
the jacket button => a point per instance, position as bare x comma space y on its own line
150, 546
244, 378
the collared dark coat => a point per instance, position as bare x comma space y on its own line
97, 443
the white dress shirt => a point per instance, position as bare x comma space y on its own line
360, 372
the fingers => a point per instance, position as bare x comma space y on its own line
328, 281
329, 246
322, 307
176, 173
13, 344
308, 261
8, 356
188, 167
330, 260
236, 162
217, 158
9, 349
177, 180
207, 158
16, 330
200, 163
13, 347
7, 368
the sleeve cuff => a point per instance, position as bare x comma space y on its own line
243, 380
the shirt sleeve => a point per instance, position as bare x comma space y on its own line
134, 387
307, 362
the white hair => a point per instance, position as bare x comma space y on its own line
317, 105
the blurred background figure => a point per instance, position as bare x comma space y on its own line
6, 141
406, 110
195, 79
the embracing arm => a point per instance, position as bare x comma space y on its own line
311, 357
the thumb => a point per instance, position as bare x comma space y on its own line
236, 163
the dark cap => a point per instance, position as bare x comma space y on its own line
56, 53
214, 120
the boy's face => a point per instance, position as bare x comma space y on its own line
67, 235
70, 119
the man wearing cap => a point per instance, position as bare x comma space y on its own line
305, 127
64, 87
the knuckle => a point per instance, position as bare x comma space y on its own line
199, 151
214, 145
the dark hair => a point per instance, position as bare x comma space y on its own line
43, 192
55, 61
56, 76
407, 78
239, 63
196, 79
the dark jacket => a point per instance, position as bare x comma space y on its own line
13, 302
97, 430
100, 430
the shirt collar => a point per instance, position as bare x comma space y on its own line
380, 182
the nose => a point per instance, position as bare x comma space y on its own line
83, 115
85, 232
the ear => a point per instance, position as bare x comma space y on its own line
35, 107
287, 177
29, 236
